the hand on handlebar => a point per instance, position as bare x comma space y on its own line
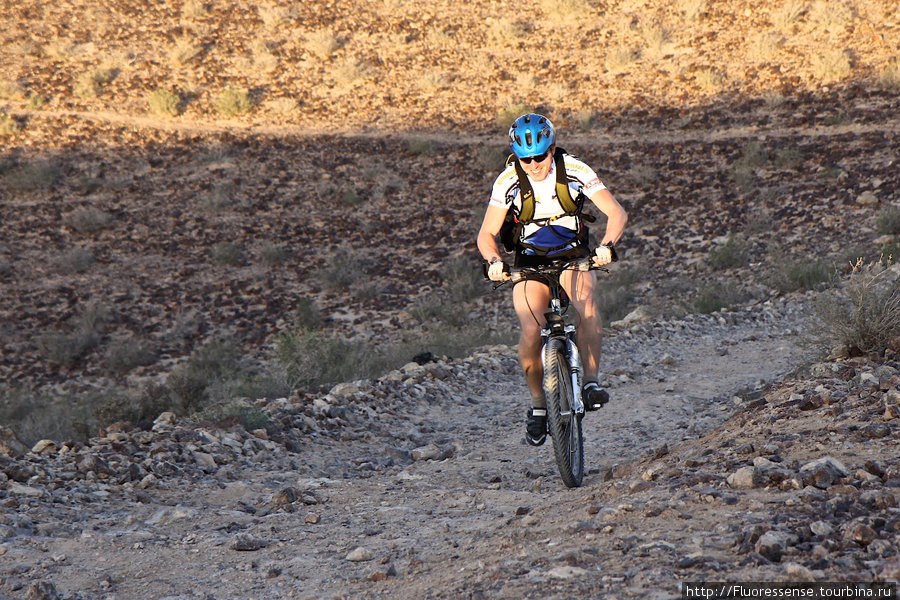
603, 255
498, 271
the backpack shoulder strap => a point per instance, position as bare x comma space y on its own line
525, 190
562, 185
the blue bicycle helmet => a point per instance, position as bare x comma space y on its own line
531, 135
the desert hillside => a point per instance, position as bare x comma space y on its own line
178, 174
217, 211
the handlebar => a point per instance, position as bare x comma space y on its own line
517, 274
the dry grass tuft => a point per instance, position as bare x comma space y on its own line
620, 58
233, 102
789, 14
321, 44
565, 12
348, 73
184, 51
832, 65
692, 10
709, 80
275, 16
8, 125
890, 76
163, 102
765, 45
830, 15
11, 90
657, 42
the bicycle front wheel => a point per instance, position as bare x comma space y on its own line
564, 423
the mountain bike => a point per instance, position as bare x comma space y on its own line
563, 370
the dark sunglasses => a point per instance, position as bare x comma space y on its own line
540, 158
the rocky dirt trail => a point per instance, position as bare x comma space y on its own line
419, 485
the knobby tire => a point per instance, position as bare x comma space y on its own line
565, 429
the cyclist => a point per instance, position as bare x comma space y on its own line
548, 228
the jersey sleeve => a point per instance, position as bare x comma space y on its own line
584, 176
505, 188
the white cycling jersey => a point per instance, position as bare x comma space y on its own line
546, 204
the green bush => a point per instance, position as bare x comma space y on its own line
81, 333
343, 268
888, 221
74, 260
215, 362
227, 254
34, 416
307, 316
863, 312
510, 113
712, 297
614, 293
163, 102
134, 407
792, 276
441, 311
88, 220
308, 358
350, 197
463, 279
420, 146
32, 176
234, 101
732, 253
124, 354
8, 125
272, 255
890, 76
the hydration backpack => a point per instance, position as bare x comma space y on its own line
515, 220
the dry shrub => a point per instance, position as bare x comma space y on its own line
82, 332
830, 15
274, 16
234, 101
163, 102
184, 51
890, 76
8, 125
788, 14
11, 90
765, 45
709, 80
863, 314
510, 113
88, 220
831, 65
692, 10
620, 58
656, 40
349, 72
561, 12
321, 44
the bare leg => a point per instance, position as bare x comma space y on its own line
530, 300
580, 288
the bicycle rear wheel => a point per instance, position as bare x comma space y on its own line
564, 423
